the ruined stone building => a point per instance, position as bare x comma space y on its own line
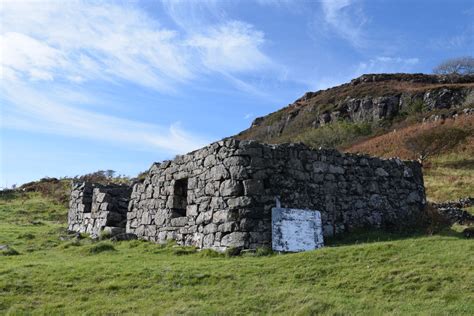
94, 208
221, 196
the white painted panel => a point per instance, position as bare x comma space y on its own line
295, 230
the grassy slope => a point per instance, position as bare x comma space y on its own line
448, 176
412, 275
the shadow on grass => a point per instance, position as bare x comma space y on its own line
365, 237
466, 164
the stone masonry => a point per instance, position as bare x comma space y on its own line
221, 196
94, 208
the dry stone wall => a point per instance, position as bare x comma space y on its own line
221, 196
94, 208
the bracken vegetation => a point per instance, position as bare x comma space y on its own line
449, 174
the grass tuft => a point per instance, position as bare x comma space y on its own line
181, 251
209, 253
27, 236
232, 252
100, 247
263, 252
105, 235
9, 252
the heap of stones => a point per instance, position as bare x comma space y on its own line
453, 210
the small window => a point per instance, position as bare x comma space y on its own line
180, 196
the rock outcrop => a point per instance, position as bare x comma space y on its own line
369, 98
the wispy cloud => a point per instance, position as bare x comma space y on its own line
455, 42
384, 64
38, 112
346, 19
67, 45
223, 45
231, 47
81, 41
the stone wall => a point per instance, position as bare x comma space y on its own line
94, 208
221, 196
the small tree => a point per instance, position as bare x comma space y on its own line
434, 141
110, 173
456, 66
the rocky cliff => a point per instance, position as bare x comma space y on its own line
374, 98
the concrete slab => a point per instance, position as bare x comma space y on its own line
296, 230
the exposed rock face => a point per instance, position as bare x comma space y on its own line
221, 196
369, 98
94, 208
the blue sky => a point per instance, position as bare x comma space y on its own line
88, 85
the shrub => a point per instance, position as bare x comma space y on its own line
417, 106
335, 134
435, 141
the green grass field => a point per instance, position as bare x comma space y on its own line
368, 274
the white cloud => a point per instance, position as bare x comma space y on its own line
35, 111
383, 64
222, 45
231, 47
346, 20
22, 54
82, 41
85, 41
51, 46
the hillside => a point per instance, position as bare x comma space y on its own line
366, 106
447, 176
376, 114
46, 271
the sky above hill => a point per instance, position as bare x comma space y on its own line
89, 85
